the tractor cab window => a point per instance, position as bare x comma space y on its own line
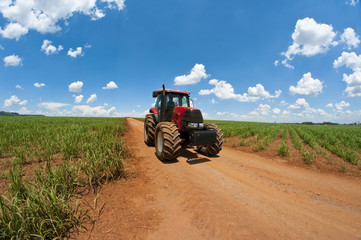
177, 100
192, 105
185, 101
158, 102
172, 100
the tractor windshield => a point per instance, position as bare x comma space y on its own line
173, 100
177, 100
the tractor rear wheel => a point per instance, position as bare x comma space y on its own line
212, 149
149, 129
167, 141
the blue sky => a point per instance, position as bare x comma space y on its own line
284, 61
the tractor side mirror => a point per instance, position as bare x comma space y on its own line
155, 94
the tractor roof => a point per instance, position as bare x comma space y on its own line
159, 91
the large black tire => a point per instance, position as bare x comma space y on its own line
149, 129
212, 149
167, 141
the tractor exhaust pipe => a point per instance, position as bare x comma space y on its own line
162, 107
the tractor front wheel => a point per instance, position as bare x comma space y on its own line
214, 148
167, 141
149, 129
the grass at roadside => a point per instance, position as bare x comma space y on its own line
312, 141
65, 156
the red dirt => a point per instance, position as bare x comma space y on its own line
237, 195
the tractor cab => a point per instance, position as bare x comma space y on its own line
172, 99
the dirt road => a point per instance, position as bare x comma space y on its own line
234, 196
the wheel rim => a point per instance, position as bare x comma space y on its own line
160, 142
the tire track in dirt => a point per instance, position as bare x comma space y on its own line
239, 195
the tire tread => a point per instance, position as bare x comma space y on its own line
171, 142
215, 148
150, 123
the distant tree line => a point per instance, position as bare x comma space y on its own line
15, 114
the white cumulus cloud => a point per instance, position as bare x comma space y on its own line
263, 109
349, 59
276, 111
330, 105
301, 102
353, 80
305, 112
76, 87
23, 110
352, 2
46, 16
110, 85
307, 86
309, 38
259, 92
261, 113
78, 99
18, 86
52, 105
77, 52
13, 31
286, 112
283, 103
341, 105
50, 49
12, 61
224, 90
92, 99
39, 85
86, 110
115, 4
350, 38
197, 73
97, 14
14, 100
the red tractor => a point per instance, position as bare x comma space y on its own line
172, 123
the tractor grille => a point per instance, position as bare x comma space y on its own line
192, 116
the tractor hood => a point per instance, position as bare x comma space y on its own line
183, 115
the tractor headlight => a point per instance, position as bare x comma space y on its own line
195, 125
192, 125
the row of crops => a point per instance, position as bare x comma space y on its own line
66, 156
341, 140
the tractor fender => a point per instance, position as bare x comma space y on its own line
155, 113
